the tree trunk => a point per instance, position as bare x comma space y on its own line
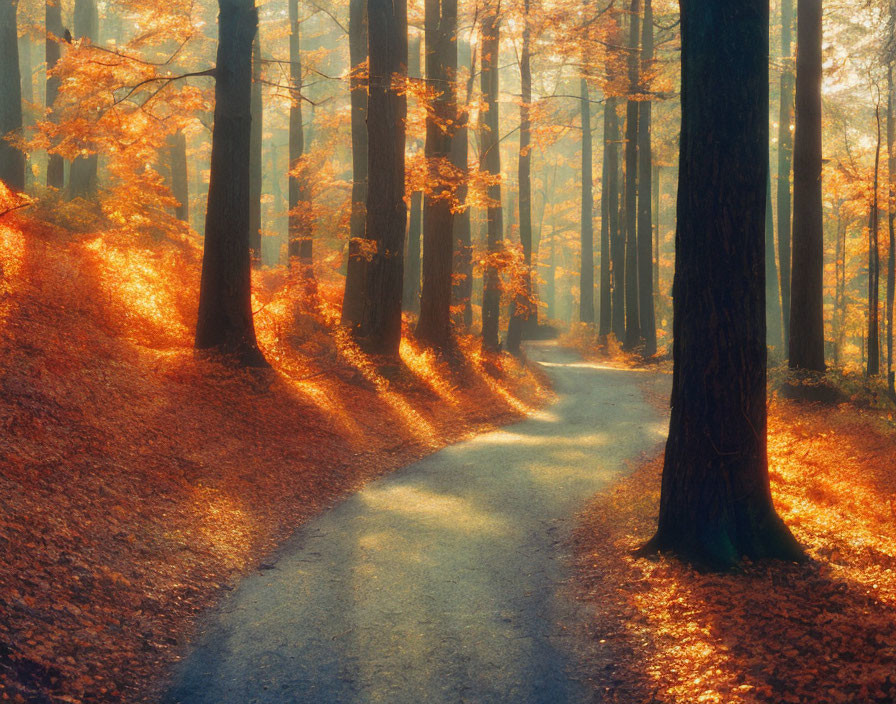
612, 206
255, 171
180, 187
356, 265
647, 312
521, 315
873, 368
891, 210
605, 212
379, 331
12, 160
27, 78
806, 311
632, 318
300, 224
785, 161
84, 169
412, 262
463, 252
586, 268
434, 326
773, 321
490, 163
716, 503
53, 19
225, 296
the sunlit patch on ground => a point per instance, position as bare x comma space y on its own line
825, 631
12, 254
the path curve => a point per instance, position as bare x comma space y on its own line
438, 583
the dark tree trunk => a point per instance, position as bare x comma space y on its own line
27, 77
255, 172
463, 252
632, 317
356, 265
605, 215
12, 160
891, 210
53, 18
647, 313
612, 209
379, 331
414, 249
785, 162
586, 268
180, 187
773, 319
225, 308
84, 169
521, 315
434, 326
806, 311
873, 368
716, 504
490, 163
300, 216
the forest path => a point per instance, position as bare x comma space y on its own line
439, 582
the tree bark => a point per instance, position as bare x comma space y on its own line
225, 307
412, 262
806, 311
716, 504
379, 331
873, 368
255, 170
53, 19
463, 238
606, 308
632, 317
490, 163
83, 174
586, 264
434, 326
785, 162
612, 206
12, 160
180, 187
356, 265
773, 319
891, 211
300, 223
646, 310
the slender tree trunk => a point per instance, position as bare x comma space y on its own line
463, 252
12, 160
180, 186
586, 263
434, 325
616, 235
53, 19
891, 212
657, 174
412, 263
300, 214
716, 504
27, 73
225, 296
490, 163
255, 170
356, 265
83, 174
605, 257
773, 301
647, 311
379, 331
873, 368
785, 162
806, 310
839, 287
522, 308
632, 312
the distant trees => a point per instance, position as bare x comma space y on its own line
806, 303
300, 220
53, 19
225, 321
255, 144
586, 266
785, 161
84, 171
716, 503
630, 221
12, 160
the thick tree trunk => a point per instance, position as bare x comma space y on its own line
255, 171
521, 315
379, 331
356, 265
225, 296
490, 163
632, 313
12, 160
180, 186
716, 505
300, 222
773, 319
434, 326
785, 163
873, 368
83, 174
647, 312
806, 311
53, 19
586, 263
414, 248
463, 238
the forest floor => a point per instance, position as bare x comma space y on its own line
138, 484
776, 633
